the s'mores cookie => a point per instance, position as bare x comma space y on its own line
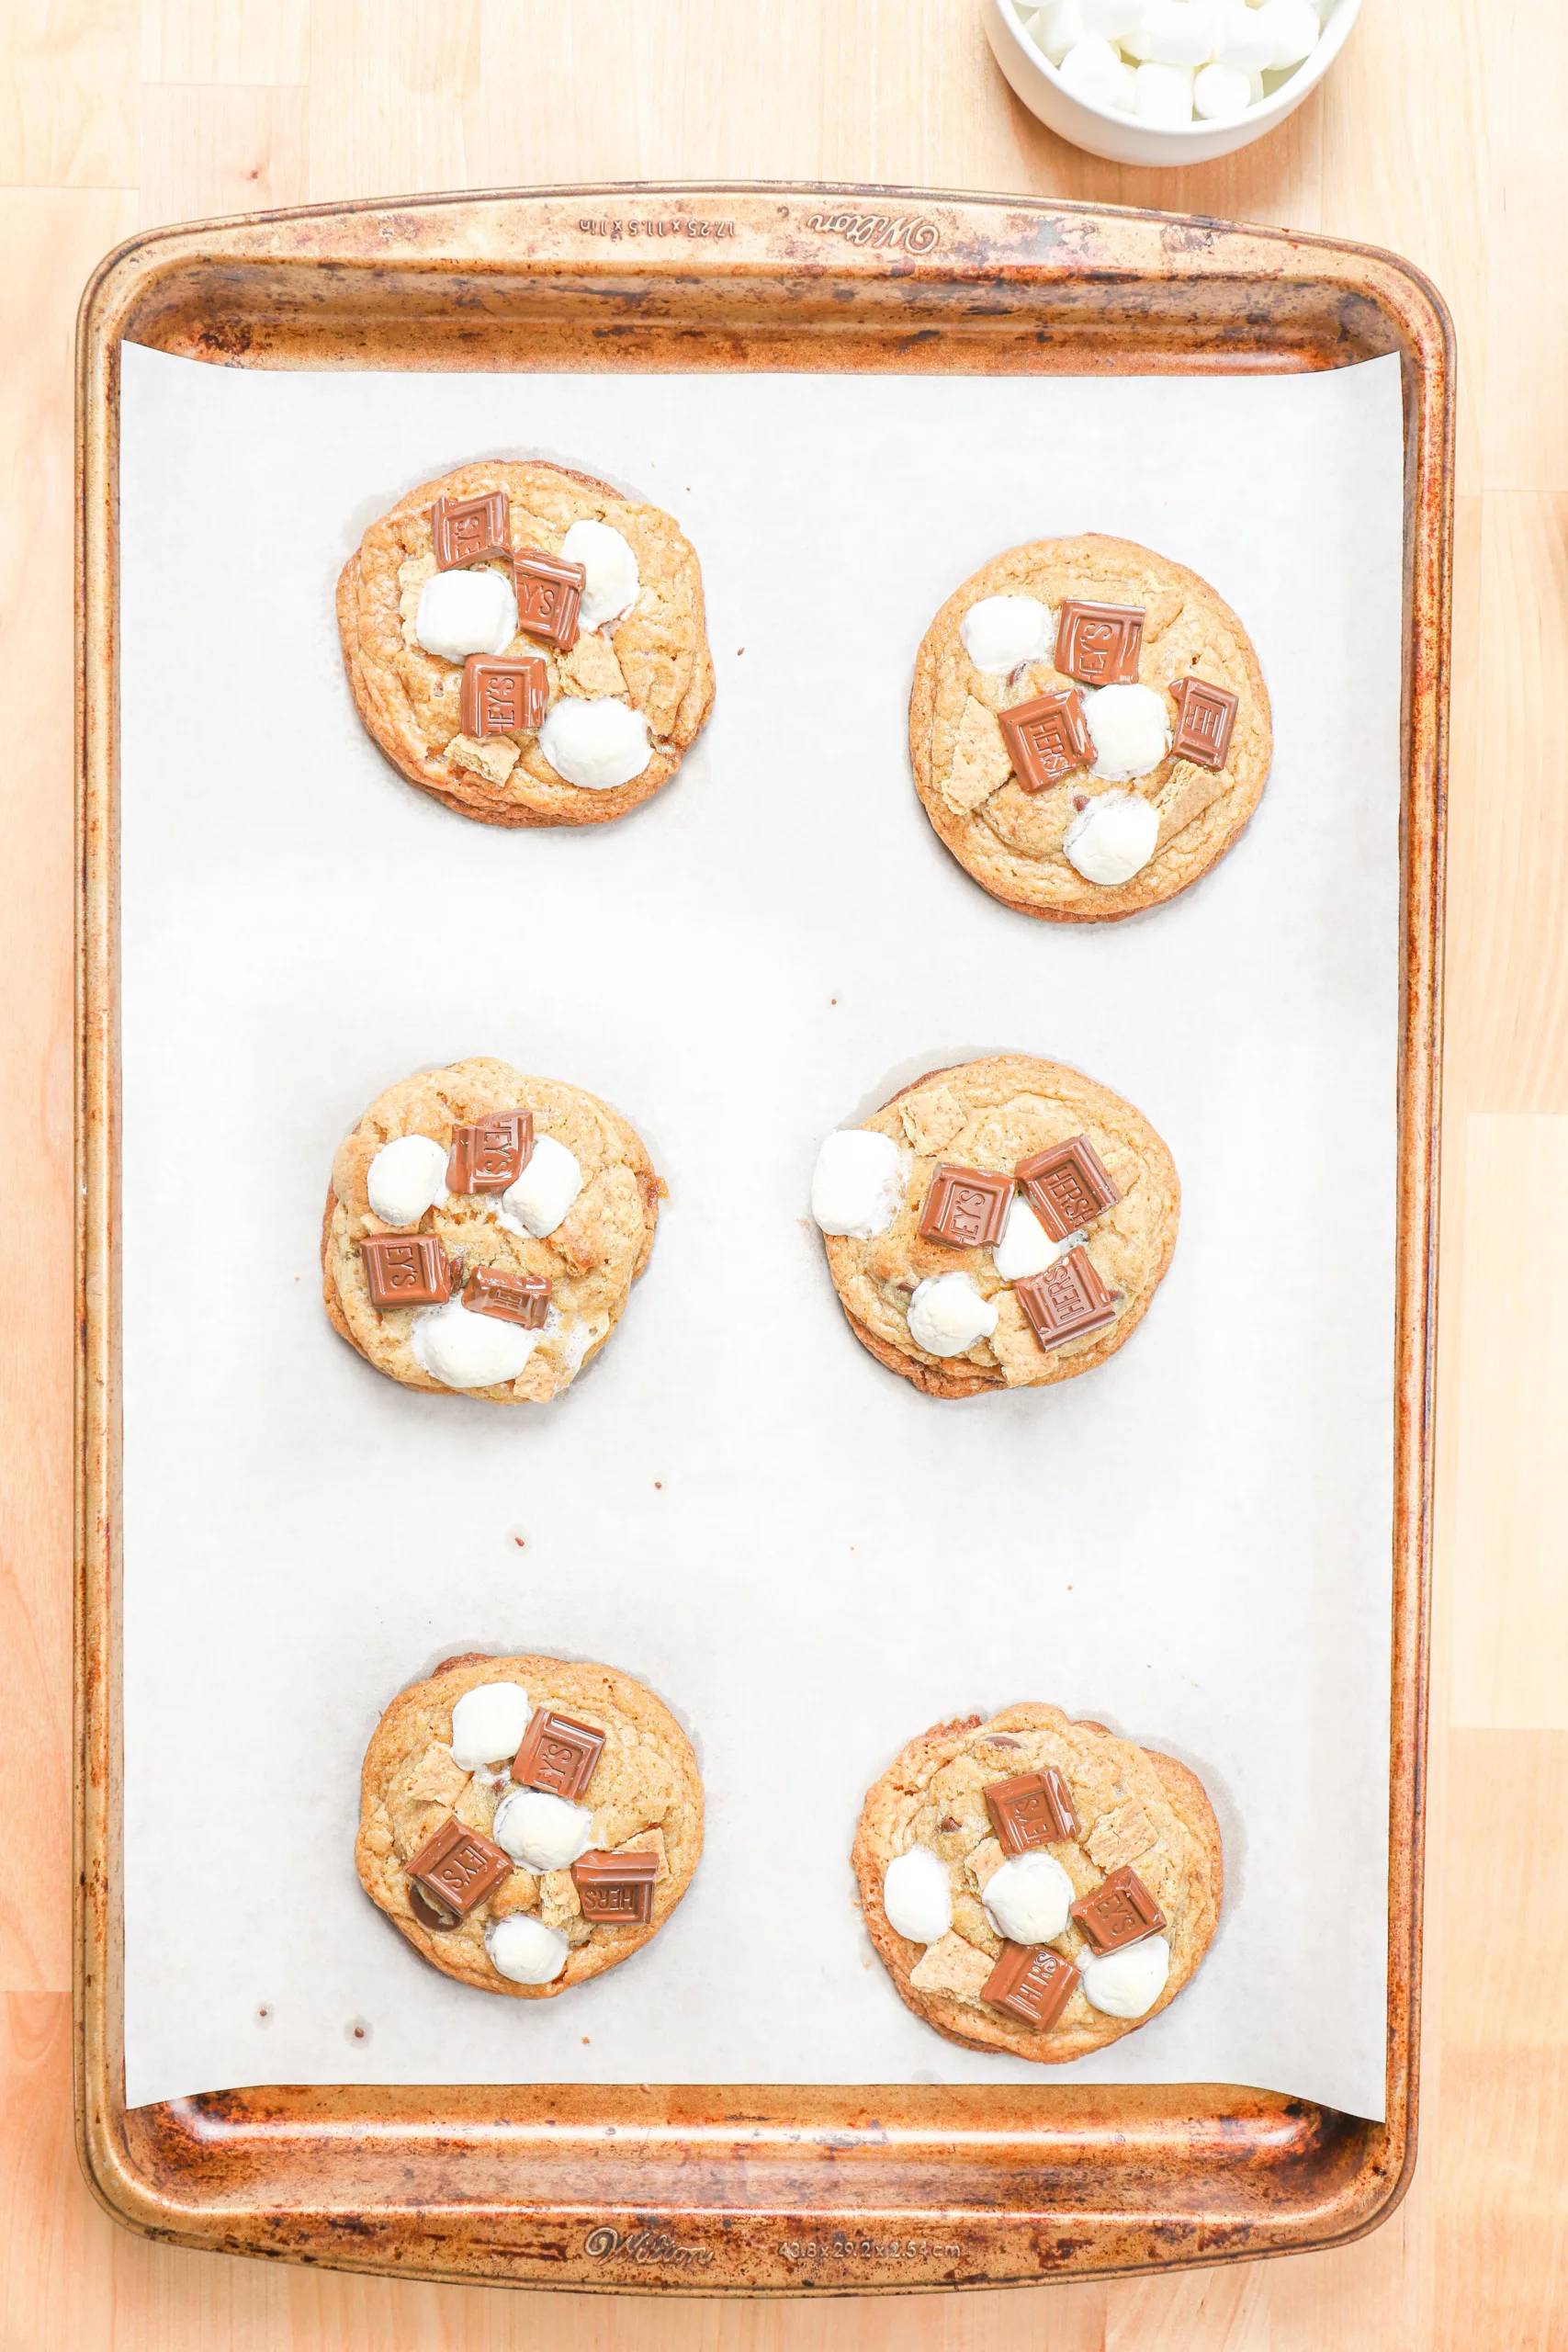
1089, 727
483, 1230
1037, 1886
526, 1823
1003, 1224
526, 644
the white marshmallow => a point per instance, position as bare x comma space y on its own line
1242, 42
916, 1895
1025, 1246
405, 1177
550, 1182
1177, 32
1124, 1983
488, 1722
599, 744
947, 1315
1110, 19
1028, 1899
1292, 27
612, 583
1059, 27
1127, 724
542, 1831
1220, 92
1163, 95
1112, 839
1092, 70
464, 1351
857, 1186
466, 612
1002, 631
524, 1948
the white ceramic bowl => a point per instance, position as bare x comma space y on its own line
1122, 138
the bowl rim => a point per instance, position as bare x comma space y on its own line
1272, 110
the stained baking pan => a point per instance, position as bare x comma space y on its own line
744, 2187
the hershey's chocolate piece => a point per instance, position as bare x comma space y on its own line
428, 1913
548, 593
456, 1869
1034, 1809
1031, 1983
1205, 716
499, 696
558, 1754
472, 530
405, 1270
492, 1154
1047, 737
1099, 644
1118, 1912
1066, 1300
617, 1888
1066, 1186
965, 1207
511, 1298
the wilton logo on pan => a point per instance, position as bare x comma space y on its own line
884, 229
645, 2246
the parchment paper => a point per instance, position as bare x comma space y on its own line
737, 1504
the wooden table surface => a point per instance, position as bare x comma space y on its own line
119, 114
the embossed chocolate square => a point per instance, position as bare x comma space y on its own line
1205, 716
1047, 737
501, 696
405, 1270
1031, 1983
1066, 1186
472, 530
559, 1754
616, 1888
1120, 1911
548, 593
456, 1869
511, 1298
965, 1207
1099, 644
1031, 1809
1066, 1300
491, 1153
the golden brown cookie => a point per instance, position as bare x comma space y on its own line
1108, 1218
1005, 807
654, 658
520, 1283
1136, 1823
429, 1824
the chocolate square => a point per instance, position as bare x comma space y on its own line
548, 593
455, 1870
1031, 1983
1205, 716
405, 1270
1122, 1911
616, 1888
491, 1153
501, 696
1047, 737
1099, 644
559, 1754
1067, 1186
965, 1207
472, 530
1066, 1300
511, 1298
1032, 1809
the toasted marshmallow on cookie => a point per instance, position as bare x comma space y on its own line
546, 1189
918, 1897
1129, 729
1126, 1983
1112, 839
406, 1177
857, 1187
464, 1351
523, 1948
1025, 1246
598, 745
1028, 1898
466, 612
947, 1315
543, 1831
488, 1724
611, 582
1001, 632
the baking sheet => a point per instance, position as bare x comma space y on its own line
809, 1561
